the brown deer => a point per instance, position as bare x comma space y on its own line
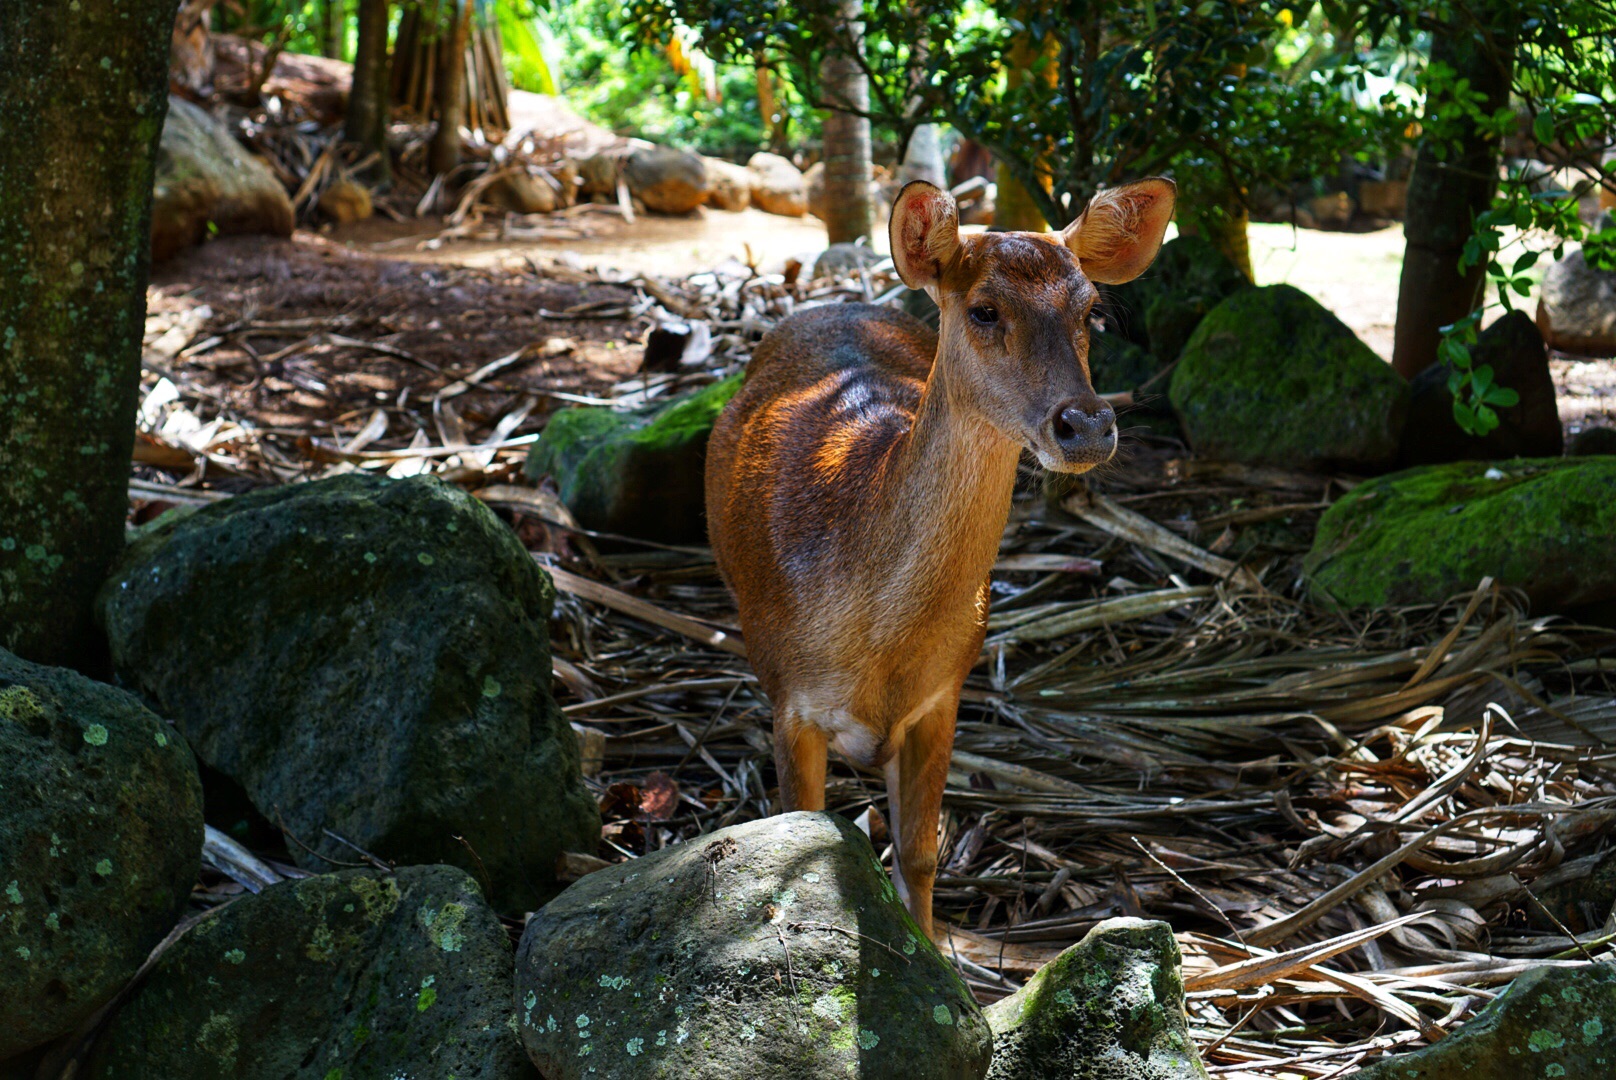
859, 482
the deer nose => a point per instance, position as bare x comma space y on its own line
1084, 425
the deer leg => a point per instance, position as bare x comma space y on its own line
799, 762
916, 776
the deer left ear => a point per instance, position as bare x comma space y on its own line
924, 232
1120, 231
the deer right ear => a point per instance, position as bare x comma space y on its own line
924, 233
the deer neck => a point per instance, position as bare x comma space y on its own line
948, 499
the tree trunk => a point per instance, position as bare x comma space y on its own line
1444, 196
924, 158
849, 212
1014, 208
445, 149
334, 30
86, 94
368, 102
1210, 207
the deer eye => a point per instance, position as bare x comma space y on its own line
984, 314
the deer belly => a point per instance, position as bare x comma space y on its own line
862, 740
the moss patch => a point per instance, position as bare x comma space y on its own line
1420, 536
1272, 378
637, 474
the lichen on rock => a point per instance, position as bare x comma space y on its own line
335, 975
100, 842
1110, 1007
773, 950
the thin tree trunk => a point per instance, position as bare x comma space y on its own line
1014, 208
368, 101
445, 149
849, 210
86, 94
1210, 207
334, 30
924, 158
1444, 196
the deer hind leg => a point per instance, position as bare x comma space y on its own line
916, 776
799, 762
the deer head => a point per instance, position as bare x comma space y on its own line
1015, 311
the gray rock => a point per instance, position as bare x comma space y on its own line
729, 186
771, 950
353, 975
1272, 378
1552, 1021
667, 181
1576, 307
777, 185
1513, 349
100, 842
1109, 1008
365, 657
843, 260
204, 176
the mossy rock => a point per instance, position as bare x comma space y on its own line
1552, 1021
1110, 1007
635, 473
1272, 378
360, 975
1160, 309
100, 843
1117, 364
365, 657
1420, 536
774, 950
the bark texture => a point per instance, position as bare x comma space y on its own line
85, 88
849, 210
1444, 196
445, 150
368, 102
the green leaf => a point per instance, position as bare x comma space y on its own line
1480, 379
1543, 127
1522, 286
1525, 262
1465, 417
1501, 396
1486, 419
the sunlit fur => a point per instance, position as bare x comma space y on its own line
857, 487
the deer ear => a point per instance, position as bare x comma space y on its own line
924, 233
1120, 231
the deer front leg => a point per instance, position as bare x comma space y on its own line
916, 776
799, 763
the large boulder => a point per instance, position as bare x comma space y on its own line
1272, 378
1110, 1007
1552, 1021
774, 950
1160, 309
355, 974
369, 660
844, 260
100, 843
1576, 308
1542, 525
729, 186
206, 178
635, 473
1513, 349
777, 185
667, 181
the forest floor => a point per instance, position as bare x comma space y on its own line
1147, 735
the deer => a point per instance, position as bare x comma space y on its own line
859, 482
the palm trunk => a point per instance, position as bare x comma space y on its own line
1444, 196
334, 29
368, 102
849, 212
86, 94
445, 151
1014, 208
